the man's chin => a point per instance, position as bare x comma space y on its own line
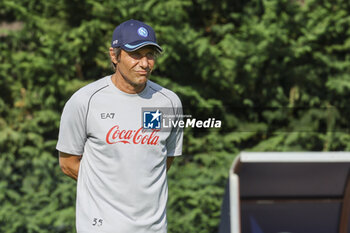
142, 79
140, 82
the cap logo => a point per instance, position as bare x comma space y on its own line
142, 32
115, 42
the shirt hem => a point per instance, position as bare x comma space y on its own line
69, 151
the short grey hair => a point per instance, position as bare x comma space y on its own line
117, 52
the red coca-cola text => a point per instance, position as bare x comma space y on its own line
140, 136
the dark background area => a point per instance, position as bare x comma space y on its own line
276, 73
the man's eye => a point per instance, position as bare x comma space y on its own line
136, 55
150, 55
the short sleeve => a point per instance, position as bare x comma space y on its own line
174, 141
72, 134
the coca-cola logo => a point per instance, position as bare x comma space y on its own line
140, 136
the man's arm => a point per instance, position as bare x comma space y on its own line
169, 161
69, 164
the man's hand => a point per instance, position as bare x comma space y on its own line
70, 164
169, 161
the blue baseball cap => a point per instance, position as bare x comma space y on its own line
132, 35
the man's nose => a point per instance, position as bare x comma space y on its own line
144, 62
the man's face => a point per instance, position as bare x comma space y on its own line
135, 67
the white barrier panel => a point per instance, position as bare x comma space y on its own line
294, 192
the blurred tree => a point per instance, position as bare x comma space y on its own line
275, 72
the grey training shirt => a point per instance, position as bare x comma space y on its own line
122, 184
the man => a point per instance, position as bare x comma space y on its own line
119, 166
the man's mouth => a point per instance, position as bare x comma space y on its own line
141, 72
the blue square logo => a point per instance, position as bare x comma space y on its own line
152, 119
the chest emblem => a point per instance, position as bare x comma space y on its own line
140, 136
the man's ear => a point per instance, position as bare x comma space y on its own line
114, 59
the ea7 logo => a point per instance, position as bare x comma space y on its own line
107, 115
152, 119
